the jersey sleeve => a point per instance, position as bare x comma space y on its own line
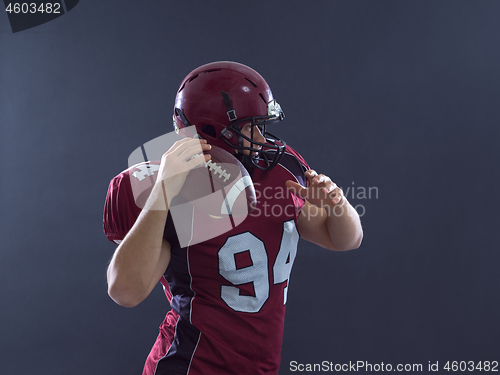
120, 209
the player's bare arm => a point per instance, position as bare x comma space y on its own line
143, 256
327, 218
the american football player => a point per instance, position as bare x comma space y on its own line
228, 294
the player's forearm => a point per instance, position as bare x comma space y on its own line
344, 226
133, 268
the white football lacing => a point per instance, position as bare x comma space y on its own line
217, 169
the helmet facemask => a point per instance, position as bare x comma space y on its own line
270, 152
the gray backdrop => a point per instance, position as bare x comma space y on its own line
398, 96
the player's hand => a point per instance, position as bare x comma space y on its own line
322, 191
176, 163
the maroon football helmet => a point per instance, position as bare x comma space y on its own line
218, 99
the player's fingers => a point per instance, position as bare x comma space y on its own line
338, 196
296, 188
197, 160
184, 167
174, 161
182, 144
310, 173
320, 179
191, 149
174, 149
329, 186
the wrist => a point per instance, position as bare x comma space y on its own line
159, 199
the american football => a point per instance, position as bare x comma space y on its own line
221, 186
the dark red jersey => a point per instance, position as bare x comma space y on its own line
228, 292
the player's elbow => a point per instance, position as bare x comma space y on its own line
356, 241
125, 295
351, 243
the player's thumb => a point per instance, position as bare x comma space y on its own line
296, 188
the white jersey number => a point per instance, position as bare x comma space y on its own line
257, 273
